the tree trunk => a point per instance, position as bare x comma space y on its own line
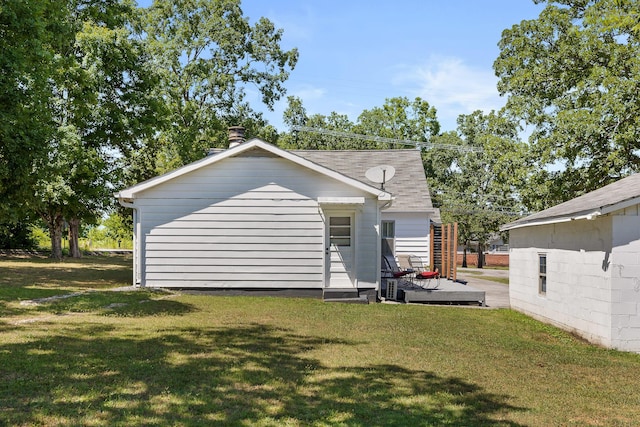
54, 223
464, 257
74, 234
480, 255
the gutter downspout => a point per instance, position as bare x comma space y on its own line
386, 205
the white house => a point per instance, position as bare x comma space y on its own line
256, 217
406, 223
577, 265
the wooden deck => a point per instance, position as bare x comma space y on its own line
448, 292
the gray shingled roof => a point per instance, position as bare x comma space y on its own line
602, 201
408, 186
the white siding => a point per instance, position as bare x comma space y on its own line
412, 233
246, 222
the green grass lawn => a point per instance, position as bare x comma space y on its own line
132, 358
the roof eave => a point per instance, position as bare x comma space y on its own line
586, 214
620, 205
130, 193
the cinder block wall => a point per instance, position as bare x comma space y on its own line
624, 265
578, 296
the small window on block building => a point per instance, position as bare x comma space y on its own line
542, 273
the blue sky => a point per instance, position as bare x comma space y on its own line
354, 54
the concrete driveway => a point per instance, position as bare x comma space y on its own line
496, 294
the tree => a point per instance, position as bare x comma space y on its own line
114, 74
475, 174
296, 115
16, 235
402, 119
28, 31
117, 228
54, 193
207, 53
398, 119
574, 75
100, 108
478, 184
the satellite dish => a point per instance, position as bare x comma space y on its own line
380, 174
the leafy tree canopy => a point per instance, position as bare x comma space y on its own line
476, 174
478, 185
398, 119
102, 105
29, 29
207, 54
573, 74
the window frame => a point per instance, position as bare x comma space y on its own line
384, 228
337, 229
542, 273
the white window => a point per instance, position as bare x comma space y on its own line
340, 230
388, 229
542, 273
388, 234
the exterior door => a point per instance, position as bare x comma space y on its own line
340, 250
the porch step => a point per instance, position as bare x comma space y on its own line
349, 295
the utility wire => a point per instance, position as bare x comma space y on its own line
380, 139
495, 210
458, 207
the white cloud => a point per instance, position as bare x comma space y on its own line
308, 92
452, 86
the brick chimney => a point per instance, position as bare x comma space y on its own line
236, 136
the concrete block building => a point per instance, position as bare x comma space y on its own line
577, 265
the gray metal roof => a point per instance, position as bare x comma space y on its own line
599, 202
408, 186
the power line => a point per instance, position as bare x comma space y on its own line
458, 207
453, 206
482, 211
499, 210
474, 195
461, 208
383, 140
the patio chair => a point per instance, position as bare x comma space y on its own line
403, 262
390, 268
425, 278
